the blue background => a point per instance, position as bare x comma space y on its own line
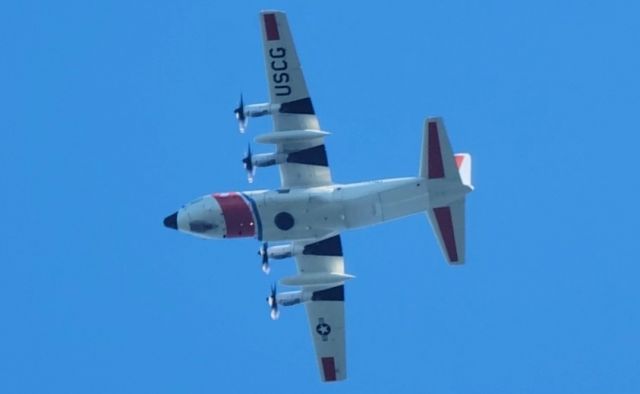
116, 113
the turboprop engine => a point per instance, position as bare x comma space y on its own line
314, 293
277, 252
243, 113
288, 298
251, 161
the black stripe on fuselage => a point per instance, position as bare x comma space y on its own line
315, 156
331, 294
327, 247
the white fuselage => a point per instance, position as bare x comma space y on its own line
304, 214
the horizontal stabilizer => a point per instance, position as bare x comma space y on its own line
437, 156
448, 181
449, 227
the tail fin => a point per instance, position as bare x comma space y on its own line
448, 181
463, 162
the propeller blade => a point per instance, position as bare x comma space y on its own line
248, 164
240, 115
263, 252
273, 302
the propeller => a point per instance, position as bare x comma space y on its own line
263, 252
273, 302
240, 115
248, 164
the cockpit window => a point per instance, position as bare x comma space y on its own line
200, 226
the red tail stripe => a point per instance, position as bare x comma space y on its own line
271, 27
237, 214
436, 169
443, 217
329, 368
459, 160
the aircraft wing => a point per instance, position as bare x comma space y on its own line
325, 311
307, 164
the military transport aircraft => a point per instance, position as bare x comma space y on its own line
306, 215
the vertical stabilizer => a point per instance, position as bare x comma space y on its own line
463, 162
437, 157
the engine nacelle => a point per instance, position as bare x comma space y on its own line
293, 297
289, 298
268, 159
257, 110
279, 252
243, 113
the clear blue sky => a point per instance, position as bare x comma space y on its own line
115, 113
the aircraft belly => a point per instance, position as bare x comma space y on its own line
403, 201
371, 203
300, 215
363, 210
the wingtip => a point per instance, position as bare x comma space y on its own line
262, 12
433, 119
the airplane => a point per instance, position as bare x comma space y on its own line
306, 215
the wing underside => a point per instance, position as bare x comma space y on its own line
306, 166
326, 321
287, 88
325, 311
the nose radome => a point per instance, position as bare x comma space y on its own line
171, 221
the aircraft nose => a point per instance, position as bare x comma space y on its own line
171, 221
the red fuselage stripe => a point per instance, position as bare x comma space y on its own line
329, 368
271, 27
443, 216
436, 169
237, 214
